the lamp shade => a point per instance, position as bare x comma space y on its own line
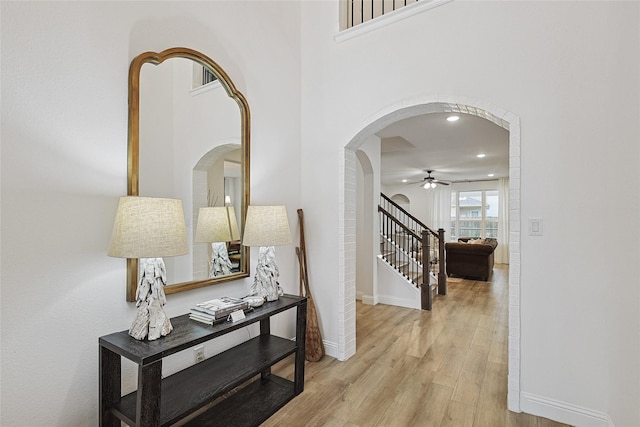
266, 226
148, 227
217, 224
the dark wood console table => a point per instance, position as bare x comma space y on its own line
189, 395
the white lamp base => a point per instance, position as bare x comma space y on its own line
151, 321
265, 282
220, 264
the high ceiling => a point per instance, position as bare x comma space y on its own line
412, 146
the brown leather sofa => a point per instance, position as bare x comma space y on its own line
470, 260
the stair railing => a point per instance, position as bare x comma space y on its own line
400, 247
406, 243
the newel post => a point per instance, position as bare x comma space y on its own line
442, 274
426, 297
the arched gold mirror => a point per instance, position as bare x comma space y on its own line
189, 139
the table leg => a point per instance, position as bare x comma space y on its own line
301, 332
149, 393
265, 329
110, 377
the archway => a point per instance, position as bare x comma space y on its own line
402, 201
346, 286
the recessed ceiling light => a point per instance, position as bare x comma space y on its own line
453, 118
491, 174
481, 155
405, 180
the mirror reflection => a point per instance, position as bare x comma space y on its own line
216, 191
192, 144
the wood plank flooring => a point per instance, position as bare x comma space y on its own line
444, 368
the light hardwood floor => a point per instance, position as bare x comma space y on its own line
443, 368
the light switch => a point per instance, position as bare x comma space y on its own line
535, 226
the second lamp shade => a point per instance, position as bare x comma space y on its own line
217, 224
266, 226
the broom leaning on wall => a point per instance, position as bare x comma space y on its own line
314, 347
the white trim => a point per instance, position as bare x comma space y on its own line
368, 299
346, 280
388, 19
330, 349
398, 302
206, 88
563, 412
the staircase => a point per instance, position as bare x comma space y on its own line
407, 245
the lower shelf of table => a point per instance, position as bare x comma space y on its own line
185, 392
249, 406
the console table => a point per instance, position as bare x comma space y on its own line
194, 395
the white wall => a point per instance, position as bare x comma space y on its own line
64, 155
418, 200
570, 71
367, 228
364, 260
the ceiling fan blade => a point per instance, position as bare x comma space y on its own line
442, 183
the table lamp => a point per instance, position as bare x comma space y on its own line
266, 226
217, 225
149, 228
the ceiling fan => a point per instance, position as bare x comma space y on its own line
430, 182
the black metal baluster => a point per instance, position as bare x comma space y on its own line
393, 243
352, 12
381, 225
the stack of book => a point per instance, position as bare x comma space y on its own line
216, 310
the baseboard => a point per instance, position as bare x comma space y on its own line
368, 300
330, 348
563, 412
385, 299
401, 302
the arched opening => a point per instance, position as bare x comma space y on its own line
216, 182
396, 112
403, 201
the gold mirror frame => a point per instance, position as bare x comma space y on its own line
133, 154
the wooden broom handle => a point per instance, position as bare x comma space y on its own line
303, 251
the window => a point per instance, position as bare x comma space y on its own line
474, 214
